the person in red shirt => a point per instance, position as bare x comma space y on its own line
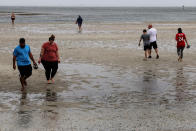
49, 57
181, 39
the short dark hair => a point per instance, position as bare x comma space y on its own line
22, 40
52, 37
179, 30
144, 30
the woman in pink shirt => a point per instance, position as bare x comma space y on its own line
49, 57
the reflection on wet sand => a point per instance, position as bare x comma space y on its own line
50, 114
181, 85
51, 96
24, 114
149, 80
143, 97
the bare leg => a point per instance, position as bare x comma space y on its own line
146, 53
52, 80
80, 28
180, 54
156, 50
25, 82
149, 52
22, 83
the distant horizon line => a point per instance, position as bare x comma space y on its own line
95, 6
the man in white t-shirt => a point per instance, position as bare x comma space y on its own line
153, 40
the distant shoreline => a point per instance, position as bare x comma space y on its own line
101, 6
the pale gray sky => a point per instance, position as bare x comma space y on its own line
98, 2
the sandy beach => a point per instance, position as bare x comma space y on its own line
102, 84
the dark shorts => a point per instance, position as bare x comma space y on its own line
13, 18
25, 71
154, 45
180, 51
146, 47
79, 24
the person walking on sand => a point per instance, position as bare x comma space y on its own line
153, 40
146, 41
49, 57
13, 18
22, 54
79, 21
181, 39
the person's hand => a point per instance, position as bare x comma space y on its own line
39, 61
14, 67
188, 46
34, 63
59, 61
35, 66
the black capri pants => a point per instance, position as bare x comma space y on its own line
50, 68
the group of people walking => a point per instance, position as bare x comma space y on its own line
49, 57
149, 38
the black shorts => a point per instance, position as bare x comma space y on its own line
79, 24
12, 18
154, 45
25, 71
146, 47
180, 51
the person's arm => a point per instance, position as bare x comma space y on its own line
176, 38
140, 41
41, 54
186, 40
15, 53
57, 54
31, 57
14, 62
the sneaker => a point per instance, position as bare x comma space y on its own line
157, 56
149, 56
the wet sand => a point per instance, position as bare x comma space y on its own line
102, 82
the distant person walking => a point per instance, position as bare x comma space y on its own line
181, 39
79, 21
153, 40
146, 41
49, 57
13, 18
22, 54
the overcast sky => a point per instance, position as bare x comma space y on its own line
98, 2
